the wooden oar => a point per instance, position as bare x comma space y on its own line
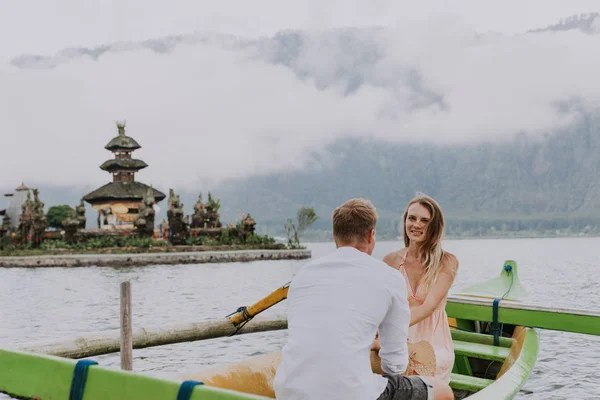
246, 313
516, 313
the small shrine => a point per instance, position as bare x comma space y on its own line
118, 202
15, 201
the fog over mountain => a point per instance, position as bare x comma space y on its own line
208, 106
479, 119
587, 23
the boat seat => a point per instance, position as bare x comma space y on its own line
480, 351
468, 383
480, 338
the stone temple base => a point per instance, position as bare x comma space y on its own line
127, 260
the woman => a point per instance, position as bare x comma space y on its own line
429, 272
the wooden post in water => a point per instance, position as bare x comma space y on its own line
126, 330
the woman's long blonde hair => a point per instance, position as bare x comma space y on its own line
431, 251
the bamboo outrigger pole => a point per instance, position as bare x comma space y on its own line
236, 323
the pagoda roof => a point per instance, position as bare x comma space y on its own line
127, 191
123, 164
21, 187
122, 141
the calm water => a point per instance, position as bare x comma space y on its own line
53, 304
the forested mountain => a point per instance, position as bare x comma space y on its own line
529, 184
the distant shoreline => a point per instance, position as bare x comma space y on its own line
512, 235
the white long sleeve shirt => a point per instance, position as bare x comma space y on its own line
336, 304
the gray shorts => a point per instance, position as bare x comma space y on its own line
407, 388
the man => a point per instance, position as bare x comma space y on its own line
336, 305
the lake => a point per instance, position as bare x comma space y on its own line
57, 303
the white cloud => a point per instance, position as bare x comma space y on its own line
205, 110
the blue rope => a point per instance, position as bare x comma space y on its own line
245, 314
186, 388
496, 327
508, 269
496, 330
243, 310
79, 378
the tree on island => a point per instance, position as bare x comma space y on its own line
57, 214
305, 217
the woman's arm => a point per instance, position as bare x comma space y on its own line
376, 343
438, 291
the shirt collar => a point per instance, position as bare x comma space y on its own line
349, 250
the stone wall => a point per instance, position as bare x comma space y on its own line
122, 260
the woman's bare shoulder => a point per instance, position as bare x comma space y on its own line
450, 263
394, 258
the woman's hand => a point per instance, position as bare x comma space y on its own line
414, 302
376, 346
438, 291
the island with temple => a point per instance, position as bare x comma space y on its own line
126, 231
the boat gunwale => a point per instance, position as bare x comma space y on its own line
517, 305
49, 377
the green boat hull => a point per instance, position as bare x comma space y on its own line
511, 369
27, 375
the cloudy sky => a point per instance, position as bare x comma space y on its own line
241, 93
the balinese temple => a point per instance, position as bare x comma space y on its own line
118, 202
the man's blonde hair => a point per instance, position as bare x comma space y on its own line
353, 221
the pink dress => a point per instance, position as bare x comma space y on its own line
434, 329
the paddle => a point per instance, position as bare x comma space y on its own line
244, 314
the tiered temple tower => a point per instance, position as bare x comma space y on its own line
118, 202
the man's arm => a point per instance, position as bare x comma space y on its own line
393, 331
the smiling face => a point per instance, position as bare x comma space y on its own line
423, 224
416, 223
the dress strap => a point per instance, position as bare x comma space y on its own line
402, 261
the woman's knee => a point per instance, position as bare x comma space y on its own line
441, 390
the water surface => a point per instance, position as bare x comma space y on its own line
49, 304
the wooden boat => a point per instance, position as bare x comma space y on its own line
483, 369
494, 335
